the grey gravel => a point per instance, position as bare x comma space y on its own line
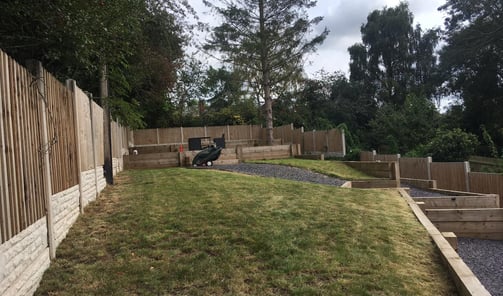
417, 192
484, 257
281, 171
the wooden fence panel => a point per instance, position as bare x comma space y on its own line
145, 137
415, 168
97, 119
335, 141
298, 138
243, 132
487, 183
62, 128
22, 197
450, 175
320, 141
285, 133
218, 131
85, 132
193, 132
367, 155
387, 157
170, 136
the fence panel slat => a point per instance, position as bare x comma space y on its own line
487, 183
449, 175
62, 128
414, 167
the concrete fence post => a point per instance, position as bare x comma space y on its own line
343, 141
428, 166
467, 175
37, 70
93, 140
72, 85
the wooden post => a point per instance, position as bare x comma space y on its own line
37, 70
157, 134
421, 205
452, 239
181, 133
72, 85
107, 132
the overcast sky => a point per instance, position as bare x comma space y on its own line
344, 18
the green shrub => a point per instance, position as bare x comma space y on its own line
452, 145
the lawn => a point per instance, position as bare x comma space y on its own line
203, 232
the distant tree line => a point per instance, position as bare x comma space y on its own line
389, 102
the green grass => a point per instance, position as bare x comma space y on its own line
204, 232
328, 167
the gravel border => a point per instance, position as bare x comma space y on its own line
484, 257
281, 171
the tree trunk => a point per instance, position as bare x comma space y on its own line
266, 85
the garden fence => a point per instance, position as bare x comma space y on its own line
44, 120
455, 176
328, 142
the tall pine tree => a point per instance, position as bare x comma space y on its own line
267, 39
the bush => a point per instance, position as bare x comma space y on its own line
452, 145
353, 154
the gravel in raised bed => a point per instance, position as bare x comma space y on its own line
417, 192
281, 171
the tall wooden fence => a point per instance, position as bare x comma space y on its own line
44, 121
180, 135
329, 142
22, 184
455, 176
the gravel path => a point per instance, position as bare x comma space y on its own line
484, 257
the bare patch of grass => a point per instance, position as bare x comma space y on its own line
204, 232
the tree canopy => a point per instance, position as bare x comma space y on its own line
140, 41
265, 39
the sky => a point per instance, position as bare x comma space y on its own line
343, 18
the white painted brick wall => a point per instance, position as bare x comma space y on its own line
23, 260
